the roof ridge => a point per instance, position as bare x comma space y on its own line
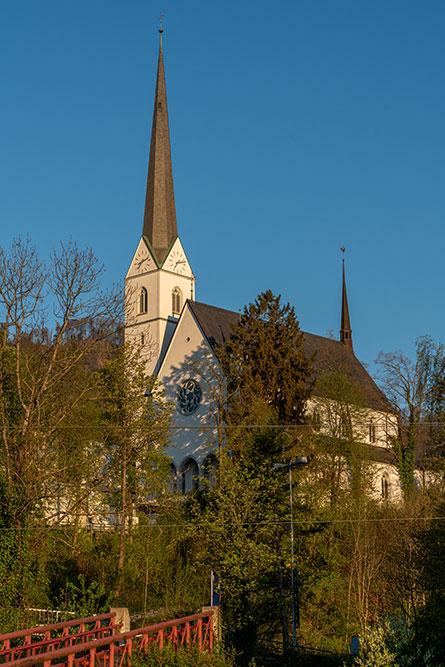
234, 312
208, 305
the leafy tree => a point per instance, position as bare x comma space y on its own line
430, 555
135, 422
17, 577
235, 526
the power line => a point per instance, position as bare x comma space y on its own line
203, 427
234, 523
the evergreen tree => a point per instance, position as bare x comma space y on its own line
268, 374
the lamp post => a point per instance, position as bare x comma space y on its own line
298, 463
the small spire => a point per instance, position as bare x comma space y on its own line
160, 212
345, 326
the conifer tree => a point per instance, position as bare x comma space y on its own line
268, 374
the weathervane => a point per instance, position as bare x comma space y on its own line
343, 251
161, 16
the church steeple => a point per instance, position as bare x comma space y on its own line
160, 213
345, 326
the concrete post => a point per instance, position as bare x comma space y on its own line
216, 622
122, 616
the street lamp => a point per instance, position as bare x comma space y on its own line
298, 463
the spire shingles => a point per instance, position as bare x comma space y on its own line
345, 326
160, 214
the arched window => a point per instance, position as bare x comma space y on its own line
385, 486
173, 487
190, 473
176, 301
372, 437
143, 300
210, 469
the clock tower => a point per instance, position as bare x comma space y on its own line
160, 278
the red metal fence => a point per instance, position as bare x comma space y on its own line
41, 639
117, 650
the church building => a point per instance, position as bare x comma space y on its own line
178, 335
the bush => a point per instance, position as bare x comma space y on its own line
189, 656
393, 644
85, 600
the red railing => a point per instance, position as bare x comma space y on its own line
117, 650
55, 636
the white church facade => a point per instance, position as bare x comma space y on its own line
178, 335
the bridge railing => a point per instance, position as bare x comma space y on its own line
41, 639
47, 616
117, 650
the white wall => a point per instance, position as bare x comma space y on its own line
190, 356
158, 323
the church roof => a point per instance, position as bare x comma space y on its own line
331, 356
216, 323
160, 213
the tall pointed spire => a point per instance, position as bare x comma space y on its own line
160, 213
345, 326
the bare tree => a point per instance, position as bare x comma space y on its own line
417, 392
45, 368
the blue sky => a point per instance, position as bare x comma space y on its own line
296, 128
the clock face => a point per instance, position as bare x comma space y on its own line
189, 396
141, 261
177, 262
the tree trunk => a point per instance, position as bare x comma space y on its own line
121, 561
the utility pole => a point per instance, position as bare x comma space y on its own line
298, 463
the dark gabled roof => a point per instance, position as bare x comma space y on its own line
216, 323
331, 356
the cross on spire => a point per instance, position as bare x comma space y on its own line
161, 16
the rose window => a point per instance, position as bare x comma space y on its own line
189, 396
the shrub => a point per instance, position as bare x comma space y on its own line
393, 644
189, 656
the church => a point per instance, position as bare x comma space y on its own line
177, 336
